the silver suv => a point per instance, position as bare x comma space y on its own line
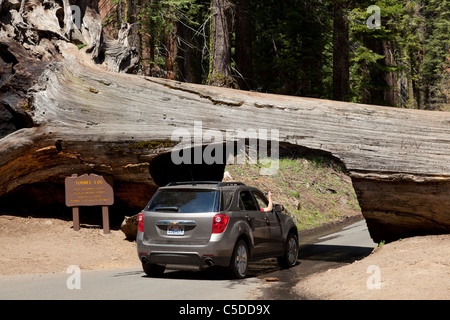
213, 223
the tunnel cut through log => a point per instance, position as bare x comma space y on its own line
163, 170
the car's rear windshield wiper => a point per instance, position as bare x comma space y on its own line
174, 209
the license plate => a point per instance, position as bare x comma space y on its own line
175, 230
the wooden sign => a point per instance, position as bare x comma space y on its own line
89, 190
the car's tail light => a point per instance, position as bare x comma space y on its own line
141, 222
220, 222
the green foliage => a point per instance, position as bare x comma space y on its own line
369, 66
81, 46
418, 32
159, 18
436, 64
292, 46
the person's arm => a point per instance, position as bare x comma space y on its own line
269, 205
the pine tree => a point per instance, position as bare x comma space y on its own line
436, 68
243, 44
341, 49
375, 62
317, 48
292, 48
159, 21
220, 73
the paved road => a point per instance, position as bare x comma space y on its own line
322, 251
127, 284
318, 252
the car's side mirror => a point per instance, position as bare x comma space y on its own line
278, 208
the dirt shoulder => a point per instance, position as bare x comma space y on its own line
49, 245
414, 268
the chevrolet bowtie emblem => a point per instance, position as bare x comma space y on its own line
174, 222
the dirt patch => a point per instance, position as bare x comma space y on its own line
413, 268
48, 245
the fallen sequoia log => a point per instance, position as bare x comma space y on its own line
75, 116
87, 119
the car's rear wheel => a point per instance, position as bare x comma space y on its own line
289, 259
153, 270
239, 260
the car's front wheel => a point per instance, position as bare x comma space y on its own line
289, 259
239, 260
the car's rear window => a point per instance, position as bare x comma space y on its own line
184, 201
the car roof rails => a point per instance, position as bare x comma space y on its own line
230, 183
177, 183
216, 183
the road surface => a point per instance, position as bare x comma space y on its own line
318, 252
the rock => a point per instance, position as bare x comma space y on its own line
271, 279
129, 227
324, 190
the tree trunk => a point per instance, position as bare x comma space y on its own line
189, 66
220, 74
391, 92
341, 65
244, 44
171, 53
383, 84
146, 54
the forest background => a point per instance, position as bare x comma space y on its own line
389, 52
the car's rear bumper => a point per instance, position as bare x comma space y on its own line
213, 253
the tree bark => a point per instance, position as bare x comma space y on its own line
146, 54
220, 74
189, 65
341, 49
244, 44
391, 92
383, 84
171, 53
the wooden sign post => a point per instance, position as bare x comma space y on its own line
89, 190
